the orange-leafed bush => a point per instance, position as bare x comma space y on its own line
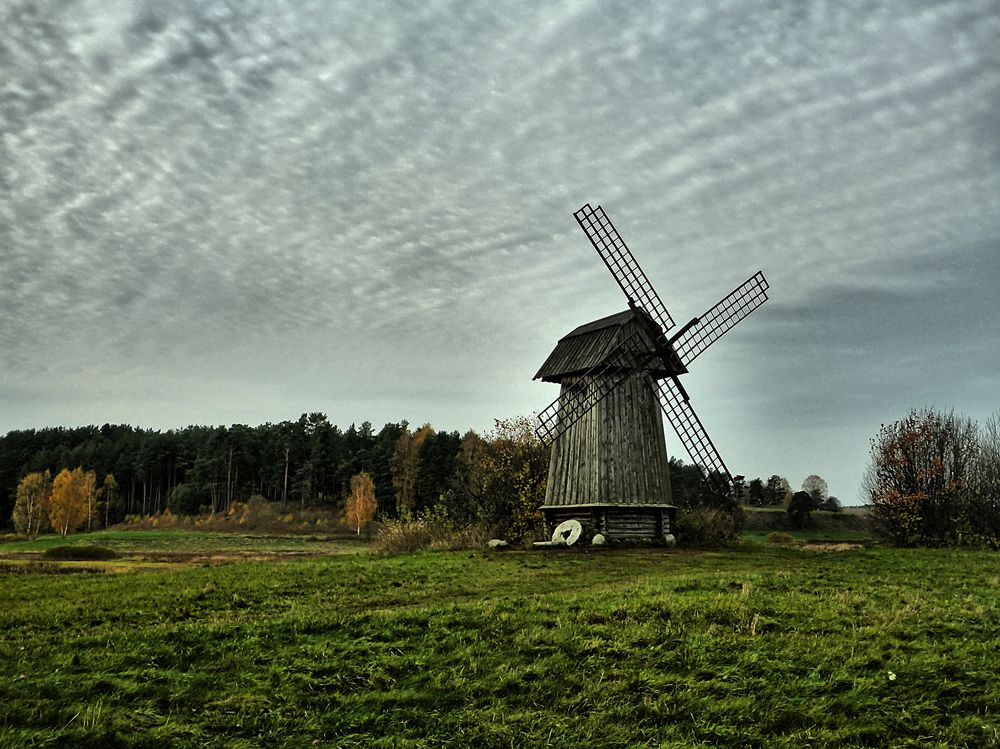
922, 484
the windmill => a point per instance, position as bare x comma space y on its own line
608, 469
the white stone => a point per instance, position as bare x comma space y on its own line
669, 540
598, 540
497, 543
567, 532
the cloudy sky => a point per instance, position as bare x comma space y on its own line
220, 212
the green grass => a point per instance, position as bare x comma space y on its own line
751, 646
819, 535
768, 510
823, 527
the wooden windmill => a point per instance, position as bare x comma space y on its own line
608, 469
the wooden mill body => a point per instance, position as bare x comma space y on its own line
609, 469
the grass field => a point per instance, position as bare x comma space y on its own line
816, 536
751, 646
165, 549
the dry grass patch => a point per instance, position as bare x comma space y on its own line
838, 547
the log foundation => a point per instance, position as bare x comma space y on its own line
616, 522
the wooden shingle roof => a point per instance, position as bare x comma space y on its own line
587, 346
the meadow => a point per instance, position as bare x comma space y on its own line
242, 641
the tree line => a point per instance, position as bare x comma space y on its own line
934, 477
495, 478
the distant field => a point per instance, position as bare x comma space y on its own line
849, 526
751, 646
834, 536
167, 548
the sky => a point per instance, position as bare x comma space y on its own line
237, 212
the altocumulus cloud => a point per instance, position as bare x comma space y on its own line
237, 211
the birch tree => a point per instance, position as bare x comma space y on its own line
72, 498
361, 505
31, 508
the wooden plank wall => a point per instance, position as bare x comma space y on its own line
615, 453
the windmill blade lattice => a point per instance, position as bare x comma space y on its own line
721, 318
674, 402
592, 387
623, 266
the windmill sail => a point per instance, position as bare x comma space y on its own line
623, 266
677, 408
721, 318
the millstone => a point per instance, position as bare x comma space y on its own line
567, 532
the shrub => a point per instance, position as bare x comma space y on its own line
432, 529
706, 526
255, 515
187, 499
79, 553
928, 482
513, 472
781, 538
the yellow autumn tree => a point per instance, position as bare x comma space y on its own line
514, 474
72, 499
31, 508
360, 508
405, 466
